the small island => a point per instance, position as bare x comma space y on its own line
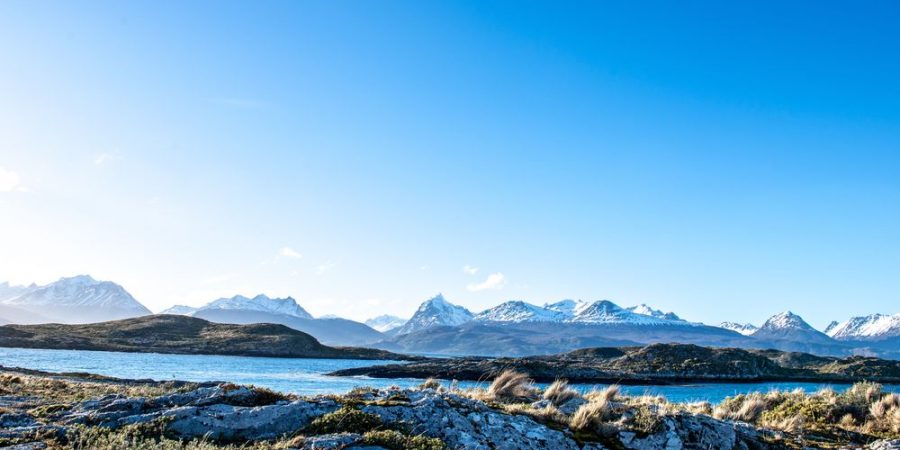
655, 364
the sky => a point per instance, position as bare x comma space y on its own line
723, 160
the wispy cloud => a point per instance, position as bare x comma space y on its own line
10, 181
494, 281
470, 269
325, 267
289, 253
106, 157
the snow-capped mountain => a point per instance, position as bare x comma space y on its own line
648, 311
262, 303
78, 299
435, 312
579, 311
519, 311
871, 327
607, 312
791, 327
569, 308
385, 322
744, 328
181, 310
9, 291
830, 327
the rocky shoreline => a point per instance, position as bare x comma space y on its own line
656, 364
78, 411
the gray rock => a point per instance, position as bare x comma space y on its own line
885, 445
232, 423
331, 441
461, 422
27, 446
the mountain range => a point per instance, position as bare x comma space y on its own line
511, 328
519, 328
284, 311
78, 299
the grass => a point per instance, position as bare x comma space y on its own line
68, 390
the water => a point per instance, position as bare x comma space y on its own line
307, 376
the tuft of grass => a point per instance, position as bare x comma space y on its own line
608, 394
431, 383
512, 386
559, 392
549, 414
590, 416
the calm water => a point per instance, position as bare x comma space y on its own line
302, 376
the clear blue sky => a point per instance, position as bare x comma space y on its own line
722, 160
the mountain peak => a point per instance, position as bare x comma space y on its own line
743, 328
436, 311
260, 302
647, 310
786, 320
79, 279
78, 299
385, 322
873, 326
519, 311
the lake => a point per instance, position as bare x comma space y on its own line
306, 376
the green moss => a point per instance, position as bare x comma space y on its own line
344, 420
395, 440
48, 410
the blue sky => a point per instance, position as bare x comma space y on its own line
724, 161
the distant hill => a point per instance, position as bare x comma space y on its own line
78, 299
328, 331
651, 364
182, 335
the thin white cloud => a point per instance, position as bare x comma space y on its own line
470, 269
325, 267
10, 181
289, 253
103, 158
494, 281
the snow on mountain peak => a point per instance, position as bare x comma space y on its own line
79, 291
181, 310
744, 328
648, 311
786, 320
605, 311
568, 308
436, 311
385, 322
519, 311
287, 305
867, 327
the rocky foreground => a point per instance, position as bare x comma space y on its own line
40, 411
